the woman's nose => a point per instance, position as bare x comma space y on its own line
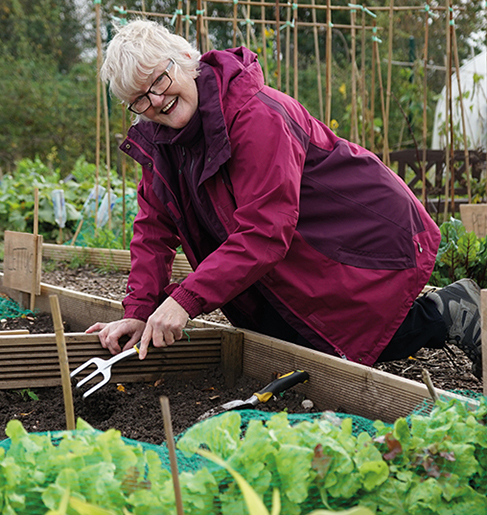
156, 100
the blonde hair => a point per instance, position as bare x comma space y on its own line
137, 49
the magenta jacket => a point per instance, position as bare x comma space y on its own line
275, 208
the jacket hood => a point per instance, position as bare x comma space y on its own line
237, 70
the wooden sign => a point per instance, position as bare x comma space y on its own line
22, 262
474, 218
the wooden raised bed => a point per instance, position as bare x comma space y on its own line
119, 259
335, 384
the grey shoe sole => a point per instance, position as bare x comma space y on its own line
459, 304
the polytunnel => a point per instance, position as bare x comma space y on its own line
473, 85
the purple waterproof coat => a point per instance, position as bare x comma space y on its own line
272, 208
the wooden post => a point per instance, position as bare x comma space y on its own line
63, 361
231, 356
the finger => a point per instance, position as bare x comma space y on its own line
96, 327
109, 340
168, 338
147, 336
133, 340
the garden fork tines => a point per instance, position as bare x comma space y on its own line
103, 367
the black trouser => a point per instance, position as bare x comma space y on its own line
422, 327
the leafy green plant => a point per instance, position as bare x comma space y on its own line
27, 393
17, 202
461, 254
428, 465
434, 464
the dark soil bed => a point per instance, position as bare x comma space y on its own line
134, 408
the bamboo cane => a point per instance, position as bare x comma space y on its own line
278, 45
381, 87
449, 144
198, 24
363, 89
295, 33
235, 17
63, 361
288, 45
108, 153
353, 114
188, 12
166, 413
452, 125
389, 85
35, 231
179, 21
462, 110
328, 62
318, 61
98, 108
124, 181
372, 98
264, 43
425, 106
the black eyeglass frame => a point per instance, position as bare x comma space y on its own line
165, 73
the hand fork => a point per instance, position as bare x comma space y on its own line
103, 367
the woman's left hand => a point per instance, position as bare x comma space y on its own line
164, 326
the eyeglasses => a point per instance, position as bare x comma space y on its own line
158, 87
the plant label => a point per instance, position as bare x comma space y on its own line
22, 262
474, 218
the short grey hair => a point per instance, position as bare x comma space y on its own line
137, 49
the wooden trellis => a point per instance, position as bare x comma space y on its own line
248, 19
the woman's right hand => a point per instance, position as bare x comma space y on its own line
110, 333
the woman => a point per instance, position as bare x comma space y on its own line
290, 230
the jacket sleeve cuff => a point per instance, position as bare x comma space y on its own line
185, 299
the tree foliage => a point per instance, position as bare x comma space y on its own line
48, 66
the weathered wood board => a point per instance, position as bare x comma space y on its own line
118, 259
22, 261
474, 218
334, 384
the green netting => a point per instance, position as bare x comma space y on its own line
10, 309
432, 462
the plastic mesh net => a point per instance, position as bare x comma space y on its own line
432, 462
10, 309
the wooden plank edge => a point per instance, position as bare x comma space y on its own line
361, 390
118, 258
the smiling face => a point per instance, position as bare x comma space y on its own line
177, 105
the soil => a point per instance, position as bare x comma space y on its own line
134, 408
